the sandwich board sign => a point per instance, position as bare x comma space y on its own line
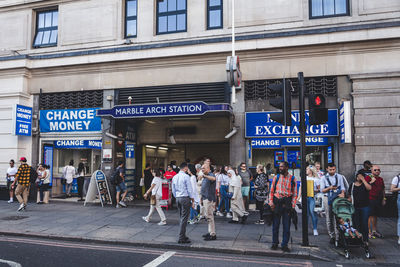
98, 186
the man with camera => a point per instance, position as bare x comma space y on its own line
282, 199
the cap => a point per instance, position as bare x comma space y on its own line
22, 159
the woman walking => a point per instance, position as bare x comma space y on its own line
359, 195
223, 181
237, 206
155, 192
261, 186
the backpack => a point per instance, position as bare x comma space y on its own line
116, 177
33, 175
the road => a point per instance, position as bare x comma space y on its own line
28, 252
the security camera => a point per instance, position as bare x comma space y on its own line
112, 136
231, 133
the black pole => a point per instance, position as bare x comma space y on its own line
304, 217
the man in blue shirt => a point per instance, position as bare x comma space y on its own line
183, 192
208, 195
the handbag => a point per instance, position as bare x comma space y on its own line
333, 194
153, 200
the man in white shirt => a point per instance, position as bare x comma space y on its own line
11, 171
395, 188
332, 184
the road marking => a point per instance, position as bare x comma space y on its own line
11, 263
160, 259
339, 265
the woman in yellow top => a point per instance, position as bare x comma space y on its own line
313, 187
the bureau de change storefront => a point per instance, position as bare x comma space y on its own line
70, 134
271, 142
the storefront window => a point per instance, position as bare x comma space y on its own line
89, 157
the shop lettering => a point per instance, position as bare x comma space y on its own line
23, 129
311, 140
274, 130
94, 143
159, 110
70, 143
69, 125
64, 120
266, 142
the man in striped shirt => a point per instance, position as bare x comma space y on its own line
282, 199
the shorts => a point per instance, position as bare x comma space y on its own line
245, 191
9, 183
375, 206
121, 187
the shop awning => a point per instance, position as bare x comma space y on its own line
160, 110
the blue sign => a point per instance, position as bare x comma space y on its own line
69, 120
129, 151
48, 159
23, 120
329, 154
163, 110
294, 157
259, 124
85, 144
287, 141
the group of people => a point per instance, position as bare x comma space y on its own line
202, 190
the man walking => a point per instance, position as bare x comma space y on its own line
282, 200
22, 176
183, 192
377, 200
332, 185
247, 177
209, 198
120, 186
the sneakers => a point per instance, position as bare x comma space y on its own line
219, 214
228, 215
118, 206
122, 204
274, 246
21, 207
10, 201
162, 223
377, 234
145, 219
260, 222
191, 222
210, 238
315, 232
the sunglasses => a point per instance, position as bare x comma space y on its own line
377, 170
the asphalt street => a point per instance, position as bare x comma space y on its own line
28, 252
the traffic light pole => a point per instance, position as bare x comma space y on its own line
304, 217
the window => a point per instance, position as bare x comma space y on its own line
214, 14
46, 28
329, 8
130, 18
171, 16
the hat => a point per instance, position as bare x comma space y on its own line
23, 159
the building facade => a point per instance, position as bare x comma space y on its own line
59, 55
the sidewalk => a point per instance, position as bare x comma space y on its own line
73, 221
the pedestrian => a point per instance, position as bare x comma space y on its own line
22, 177
81, 180
261, 186
239, 213
332, 185
119, 177
377, 200
282, 199
199, 174
170, 173
317, 166
69, 174
359, 196
247, 177
44, 185
38, 183
208, 195
148, 176
313, 188
155, 193
366, 170
183, 192
11, 172
194, 210
223, 181
395, 188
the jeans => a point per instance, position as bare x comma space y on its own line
398, 211
224, 198
194, 212
284, 214
360, 221
311, 212
42, 189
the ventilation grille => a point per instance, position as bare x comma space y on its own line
326, 85
69, 100
207, 92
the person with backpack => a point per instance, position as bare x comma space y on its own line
395, 188
282, 199
332, 185
120, 186
23, 177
